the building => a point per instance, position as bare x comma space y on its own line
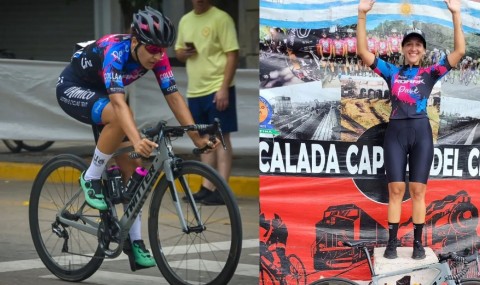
48, 29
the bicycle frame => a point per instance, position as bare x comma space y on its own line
164, 160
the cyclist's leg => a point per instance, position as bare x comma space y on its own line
420, 161
108, 141
395, 158
80, 108
138, 255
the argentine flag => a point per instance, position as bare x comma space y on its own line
311, 14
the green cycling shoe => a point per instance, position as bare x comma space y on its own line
142, 255
93, 193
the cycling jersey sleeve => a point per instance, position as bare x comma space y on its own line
115, 58
384, 69
440, 69
163, 73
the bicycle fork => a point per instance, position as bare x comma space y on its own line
169, 166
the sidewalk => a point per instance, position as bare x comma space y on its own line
25, 165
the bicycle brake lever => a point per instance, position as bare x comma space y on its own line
219, 132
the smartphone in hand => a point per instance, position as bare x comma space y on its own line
189, 45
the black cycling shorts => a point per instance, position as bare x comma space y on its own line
79, 100
408, 140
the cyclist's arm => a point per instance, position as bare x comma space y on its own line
362, 47
124, 116
458, 37
182, 113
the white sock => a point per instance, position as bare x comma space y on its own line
99, 161
136, 229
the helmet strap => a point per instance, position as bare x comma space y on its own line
136, 54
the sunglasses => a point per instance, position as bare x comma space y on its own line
153, 49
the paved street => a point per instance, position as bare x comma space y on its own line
19, 262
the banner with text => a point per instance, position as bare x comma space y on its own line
322, 118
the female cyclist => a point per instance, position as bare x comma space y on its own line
91, 90
408, 137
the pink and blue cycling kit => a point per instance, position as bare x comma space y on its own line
409, 134
102, 68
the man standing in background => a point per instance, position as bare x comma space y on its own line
207, 43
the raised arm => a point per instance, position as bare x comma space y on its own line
362, 49
458, 37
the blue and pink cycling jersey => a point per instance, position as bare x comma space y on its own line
410, 86
102, 68
108, 63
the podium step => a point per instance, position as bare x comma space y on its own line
404, 260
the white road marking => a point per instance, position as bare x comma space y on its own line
110, 277
28, 264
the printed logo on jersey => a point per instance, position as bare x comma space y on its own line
85, 63
79, 93
60, 80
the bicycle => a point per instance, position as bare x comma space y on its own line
191, 243
269, 274
443, 269
17, 145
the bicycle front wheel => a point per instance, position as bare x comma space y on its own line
70, 254
334, 281
196, 256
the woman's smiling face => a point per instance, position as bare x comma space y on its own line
413, 51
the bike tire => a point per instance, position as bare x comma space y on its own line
208, 257
55, 185
13, 145
470, 281
266, 277
36, 145
334, 281
298, 274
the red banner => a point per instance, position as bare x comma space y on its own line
316, 214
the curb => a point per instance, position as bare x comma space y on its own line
242, 186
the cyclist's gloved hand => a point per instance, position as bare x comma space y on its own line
144, 147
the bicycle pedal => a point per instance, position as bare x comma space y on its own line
131, 260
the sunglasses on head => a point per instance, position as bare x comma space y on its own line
153, 49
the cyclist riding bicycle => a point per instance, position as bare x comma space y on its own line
91, 89
273, 239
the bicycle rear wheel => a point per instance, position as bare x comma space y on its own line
208, 256
13, 145
334, 281
70, 254
36, 145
